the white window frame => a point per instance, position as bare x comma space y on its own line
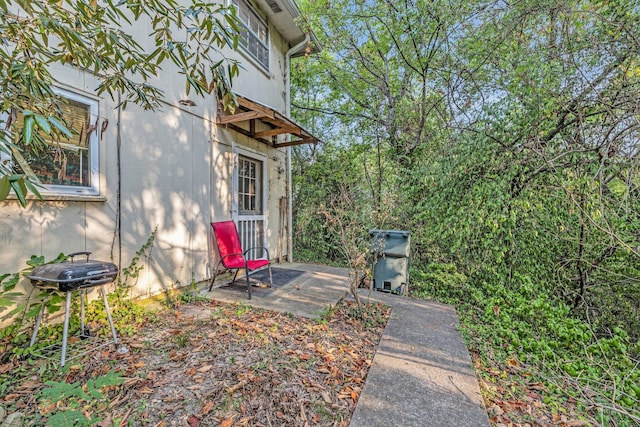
94, 155
246, 49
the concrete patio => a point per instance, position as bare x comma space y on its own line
421, 374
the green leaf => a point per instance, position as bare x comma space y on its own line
17, 309
33, 188
11, 283
33, 311
5, 302
60, 126
8, 299
5, 187
109, 379
27, 130
66, 418
43, 123
20, 189
36, 260
618, 187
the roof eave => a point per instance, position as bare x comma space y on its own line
274, 123
287, 23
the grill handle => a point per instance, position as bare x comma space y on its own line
79, 253
98, 281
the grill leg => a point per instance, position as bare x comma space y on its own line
106, 308
38, 321
83, 295
65, 332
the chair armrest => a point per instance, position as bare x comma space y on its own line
264, 248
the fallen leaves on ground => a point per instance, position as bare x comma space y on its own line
514, 399
214, 364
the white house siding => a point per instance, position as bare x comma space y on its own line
176, 175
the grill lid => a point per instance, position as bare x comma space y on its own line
68, 271
74, 274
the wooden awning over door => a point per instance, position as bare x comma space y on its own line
264, 124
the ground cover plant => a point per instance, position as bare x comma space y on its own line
535, 362
208, 363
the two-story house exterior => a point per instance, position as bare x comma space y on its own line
131, 171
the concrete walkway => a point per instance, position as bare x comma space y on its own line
421, 373
304, 290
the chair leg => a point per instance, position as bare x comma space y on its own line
235, 275
213, 279
270, 277
246, 270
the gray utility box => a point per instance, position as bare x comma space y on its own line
391, 260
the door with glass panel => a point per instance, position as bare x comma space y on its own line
250, 202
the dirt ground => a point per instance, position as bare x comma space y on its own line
209, 364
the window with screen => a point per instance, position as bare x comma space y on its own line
254, 33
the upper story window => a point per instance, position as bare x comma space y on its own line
67, 165
254, 33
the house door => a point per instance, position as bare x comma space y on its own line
250, 201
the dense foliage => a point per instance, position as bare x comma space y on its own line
505, 137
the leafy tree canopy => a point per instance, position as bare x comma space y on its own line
95, 35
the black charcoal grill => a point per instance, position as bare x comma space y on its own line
70, 276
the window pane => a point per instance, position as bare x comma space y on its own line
254, 33
249, 186
262, 34
65, 161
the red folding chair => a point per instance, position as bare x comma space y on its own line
231, 255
